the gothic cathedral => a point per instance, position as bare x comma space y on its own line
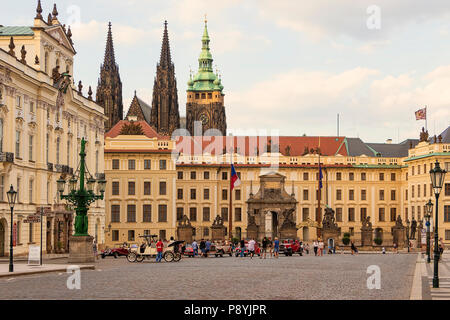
109, 89
205, 99
165, 117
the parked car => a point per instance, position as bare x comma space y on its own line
222, 249
115, 252
188, 251
289, 247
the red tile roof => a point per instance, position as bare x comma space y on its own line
148, 130
246, 145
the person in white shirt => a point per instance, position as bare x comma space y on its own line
321, 245
316, 247
251, 248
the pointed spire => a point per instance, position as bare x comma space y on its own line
110, 59
165, 60
39, 10
54, 13
49, 18
11, 47
90, 93
23, 54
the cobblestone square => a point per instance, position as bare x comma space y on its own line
331, 277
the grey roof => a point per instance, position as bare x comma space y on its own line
356, 147
16, 31
146, 110
393, 149
446, 135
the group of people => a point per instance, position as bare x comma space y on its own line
205, 247
267, 245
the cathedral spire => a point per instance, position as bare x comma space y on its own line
110, 59
39, 10
165, 59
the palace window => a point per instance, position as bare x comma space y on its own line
363, 195
193, 214
224, 213
224, 194
115, 164
162, 188
147, 188
238, 214
180, 175
162, 164
424, 190
205, 194
447, 213
180, 194
206, 214
305, 176
305, 194
115, 213
381, 176
393, 213
193, 194
131, 236
115, 235
180, 213
305, 214
393, 195
447, 189
193, 175
131, 213
30, 147
131, 164
162, 213
224, 175
162, 234
30, 233
381, 214
147, 164
351, 194
237, 194
363, 176
338, 194
381, 195
393, 177
206, 175
30, 191
338, 214
147, 213
115, 188
418, 190
363, 213
351, 176
338, 176
58, 149
18, 144
131, 188
412, 191
351, 214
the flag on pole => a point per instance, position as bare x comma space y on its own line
320, 176
421, 114
235, 181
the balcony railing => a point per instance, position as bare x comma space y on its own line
6, 157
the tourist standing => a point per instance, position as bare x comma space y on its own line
95, 249
316, 247
321, 246
264, 248
207, 247
395, 247
159, 250
307, 248
276, 247
203, 247
251, 248
270, 246
353, 248
242, 247
195, 248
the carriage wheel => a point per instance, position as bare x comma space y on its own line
140, 258
168, 256
177, 257
131, 257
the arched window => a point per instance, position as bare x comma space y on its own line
58, 140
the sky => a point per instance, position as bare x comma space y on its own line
288, 66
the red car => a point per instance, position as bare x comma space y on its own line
115, 252
188, 250
291, 247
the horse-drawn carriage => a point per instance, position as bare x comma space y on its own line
147, 250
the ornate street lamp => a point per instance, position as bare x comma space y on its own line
407, 232
437, 180
82, 197
11, 201
429, 212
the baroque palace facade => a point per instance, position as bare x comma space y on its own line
42, 120
377, 180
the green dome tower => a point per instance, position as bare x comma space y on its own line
205, 97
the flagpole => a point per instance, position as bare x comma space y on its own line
230, 210
426, 121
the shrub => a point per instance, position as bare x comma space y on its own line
345, 240
378, 241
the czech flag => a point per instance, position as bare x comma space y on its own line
320, 176
235, 181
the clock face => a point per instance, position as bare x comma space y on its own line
204, 118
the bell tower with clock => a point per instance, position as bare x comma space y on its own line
205, 97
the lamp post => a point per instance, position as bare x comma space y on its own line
11, 201
407, 232
429, 212
437, 180
82, 197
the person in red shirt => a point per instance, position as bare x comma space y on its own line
159, 249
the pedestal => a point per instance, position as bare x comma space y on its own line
366, 237
218, 233
184, 233
81, 249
